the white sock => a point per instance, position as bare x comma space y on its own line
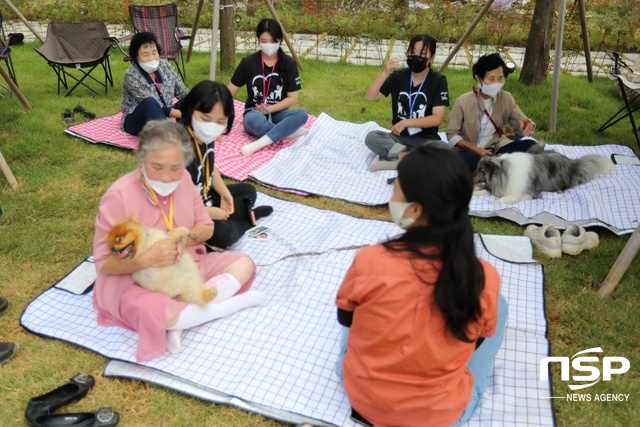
194, 315
256, 145
382, 165
173, 340
299, 132
226, 284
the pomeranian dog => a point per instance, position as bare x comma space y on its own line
182, 280
523, 176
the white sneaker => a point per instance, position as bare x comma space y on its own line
546, 238
576, 239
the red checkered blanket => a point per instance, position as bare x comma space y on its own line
229, 160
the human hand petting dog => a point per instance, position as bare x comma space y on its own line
162, 254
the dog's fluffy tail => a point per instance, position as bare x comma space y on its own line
587, 167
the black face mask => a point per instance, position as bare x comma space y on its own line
416, 63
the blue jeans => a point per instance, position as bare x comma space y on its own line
480, 365
282, 124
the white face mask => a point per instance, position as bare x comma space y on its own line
151, 66
397, 210
161, 188
490, 90
269, 49
206, 131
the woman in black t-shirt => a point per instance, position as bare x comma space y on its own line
419, 97
273, 84
207, 113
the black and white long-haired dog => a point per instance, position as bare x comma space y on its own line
523, 176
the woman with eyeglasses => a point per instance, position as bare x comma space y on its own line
419, 97
273, 86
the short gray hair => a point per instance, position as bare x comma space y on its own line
164, 134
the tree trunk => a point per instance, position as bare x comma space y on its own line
227, 35
252, 6
536, 57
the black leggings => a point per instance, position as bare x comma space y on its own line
227, 232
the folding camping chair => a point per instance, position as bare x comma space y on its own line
163, 22
5, 55
78, 46
622, 72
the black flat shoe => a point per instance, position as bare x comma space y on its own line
79, 109
7, 350
4, 304
103, 417
67, 115
262, 211
75, 389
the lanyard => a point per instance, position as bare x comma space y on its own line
265, 87
412, 100
484, 128
203, 165
168, 221
488, 114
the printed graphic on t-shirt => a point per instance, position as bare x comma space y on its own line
197, 173
272, 84
419, 105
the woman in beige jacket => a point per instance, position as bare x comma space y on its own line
478, 118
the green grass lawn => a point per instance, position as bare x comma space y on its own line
47, 229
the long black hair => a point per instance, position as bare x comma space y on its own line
441, 183
271, 26
203, 97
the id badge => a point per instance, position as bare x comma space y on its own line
413, 131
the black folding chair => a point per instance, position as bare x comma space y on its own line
81, 48
161, 20
5, 56
620, 71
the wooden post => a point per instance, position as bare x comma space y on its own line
14, 88
618, 269
557, 60
284, 33
467, 33
214, 39
7, 172
194, 30
585, 39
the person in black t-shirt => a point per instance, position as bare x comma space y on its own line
273, 84
207, 113
419, 97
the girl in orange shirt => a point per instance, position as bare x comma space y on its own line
423, 315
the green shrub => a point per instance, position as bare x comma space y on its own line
612, 24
